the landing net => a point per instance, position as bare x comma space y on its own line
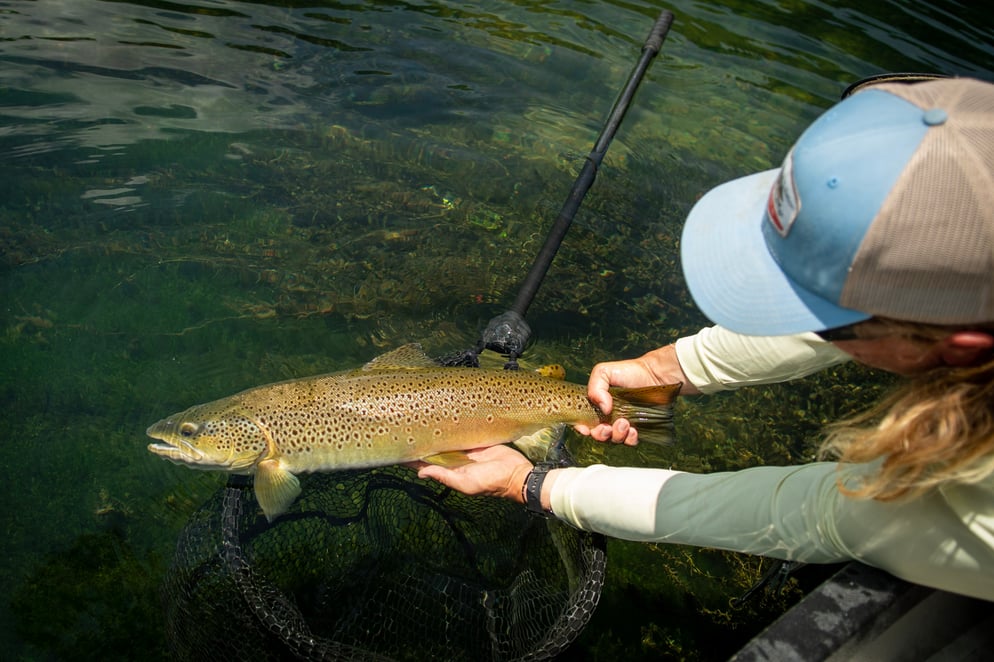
378, 565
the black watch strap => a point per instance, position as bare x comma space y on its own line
532, 489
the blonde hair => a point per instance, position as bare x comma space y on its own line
938, 427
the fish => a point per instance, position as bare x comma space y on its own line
399, 407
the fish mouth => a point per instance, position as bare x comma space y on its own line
185, 453
176, 451
172, 447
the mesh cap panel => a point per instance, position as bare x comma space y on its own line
929, 254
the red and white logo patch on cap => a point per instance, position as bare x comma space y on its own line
784, 203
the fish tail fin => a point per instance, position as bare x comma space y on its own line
649, 409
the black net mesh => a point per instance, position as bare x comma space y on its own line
378, 565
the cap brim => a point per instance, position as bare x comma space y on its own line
732, 276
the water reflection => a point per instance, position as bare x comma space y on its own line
107, 73
120, 77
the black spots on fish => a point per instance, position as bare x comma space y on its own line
529, 395
404, 408
249, 437
219, 428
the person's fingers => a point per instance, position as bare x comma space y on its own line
597, 388
435, 472
620, 430
631, 435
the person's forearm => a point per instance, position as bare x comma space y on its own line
716, 359
550, 480
792, 512
795, 513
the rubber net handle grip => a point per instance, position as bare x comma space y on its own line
654, 41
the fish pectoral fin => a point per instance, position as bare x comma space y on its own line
536, 446
275, 488
450, 459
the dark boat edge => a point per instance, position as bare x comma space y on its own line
861, 613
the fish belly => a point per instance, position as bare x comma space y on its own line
386, 447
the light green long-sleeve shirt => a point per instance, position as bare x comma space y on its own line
944, 539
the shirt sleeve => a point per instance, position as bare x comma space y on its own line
716, 359
944, 539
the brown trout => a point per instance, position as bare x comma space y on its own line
399, 407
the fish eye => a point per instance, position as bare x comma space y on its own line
188, 429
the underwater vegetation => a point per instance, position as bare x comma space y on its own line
96, 600
288, 273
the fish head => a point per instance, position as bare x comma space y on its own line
214, 436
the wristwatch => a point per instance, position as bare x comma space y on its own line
531, 490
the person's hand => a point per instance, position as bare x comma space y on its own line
632, 373
494, 471
660, 366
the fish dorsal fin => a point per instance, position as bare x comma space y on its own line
405, 357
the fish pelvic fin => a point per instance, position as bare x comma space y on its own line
450, 459
275, 488
649, 409
536, 446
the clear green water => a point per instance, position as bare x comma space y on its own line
200, 197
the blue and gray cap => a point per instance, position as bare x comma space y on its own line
883, 207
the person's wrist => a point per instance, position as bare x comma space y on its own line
534, 491
516, 485
663, 364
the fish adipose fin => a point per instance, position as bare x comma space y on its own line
649, 409
552, 371
275, 488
